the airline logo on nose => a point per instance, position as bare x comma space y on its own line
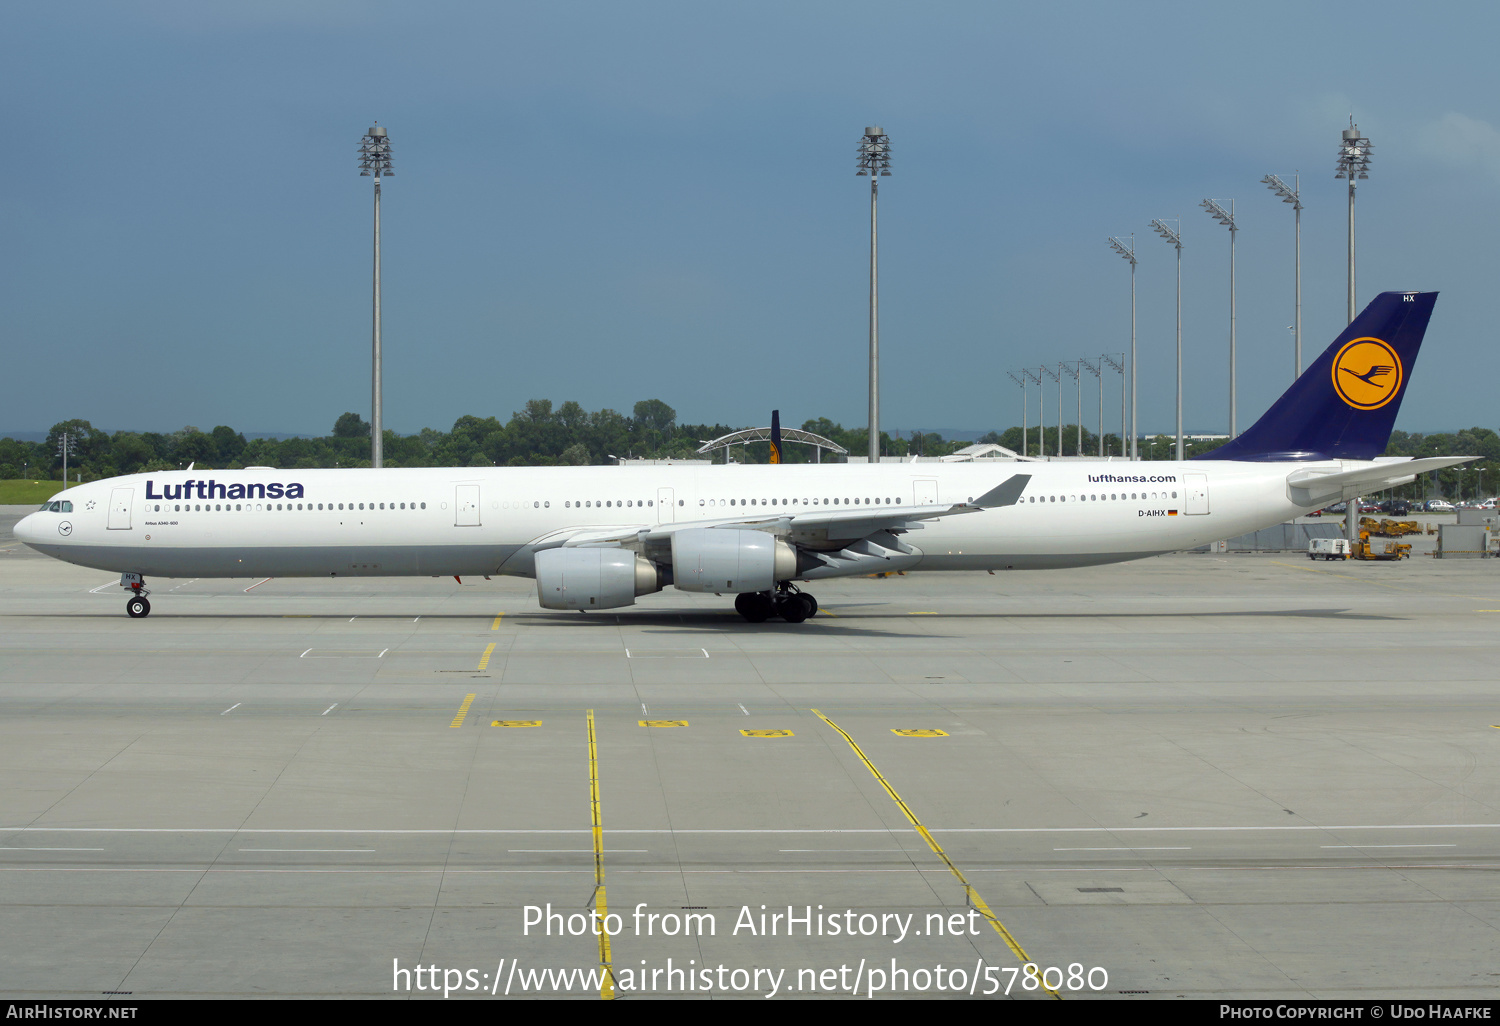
1367, 373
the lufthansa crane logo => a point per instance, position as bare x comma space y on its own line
1367, 373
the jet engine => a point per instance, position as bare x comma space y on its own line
717, 559
593, 578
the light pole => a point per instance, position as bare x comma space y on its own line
1294, 197
1095, 369
375, 159
1354, 164
1057, 377
1226, 218
1022, 383
1119, 369
66, 446
1041, 412
1073, 370
1129, 254
875, 161
1174, 236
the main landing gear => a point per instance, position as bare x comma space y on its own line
137, 606
787, 602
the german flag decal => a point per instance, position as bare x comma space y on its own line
1171, 512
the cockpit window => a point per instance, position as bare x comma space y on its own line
57, 506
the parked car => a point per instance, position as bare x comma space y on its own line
1338, 509
1369, 507
1439, 506
1395, 507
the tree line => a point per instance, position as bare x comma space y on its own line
540, 434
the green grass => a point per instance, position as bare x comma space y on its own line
15, 492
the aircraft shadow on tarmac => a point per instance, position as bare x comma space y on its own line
728, 620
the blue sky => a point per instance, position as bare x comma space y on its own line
610, 202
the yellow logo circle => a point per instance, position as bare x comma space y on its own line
1367, 373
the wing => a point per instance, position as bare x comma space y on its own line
831, 541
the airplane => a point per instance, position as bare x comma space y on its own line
596, 538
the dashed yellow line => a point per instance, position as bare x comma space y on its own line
607, 981
496, 625
969, 892
484, 660
463, 710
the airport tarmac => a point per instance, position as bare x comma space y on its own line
1237, 776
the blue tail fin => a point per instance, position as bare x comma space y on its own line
775, 436
1343, 406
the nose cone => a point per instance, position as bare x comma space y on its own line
29, 529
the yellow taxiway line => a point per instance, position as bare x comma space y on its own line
463, 710
601, 909
969, 892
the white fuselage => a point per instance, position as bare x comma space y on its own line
301, 523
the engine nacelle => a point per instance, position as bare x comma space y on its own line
727, 560
592, 578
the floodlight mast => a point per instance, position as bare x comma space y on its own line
1174, 236
1354, 164
1041, 413
375, 160
1057, 377
1226, 218
1074, 371
1095, 369
1129, 254
1022, 383
875, 161
1119, 369
1293, 196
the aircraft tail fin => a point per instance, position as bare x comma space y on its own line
775, 436
1344, 405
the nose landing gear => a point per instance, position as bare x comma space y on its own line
137, 606
787, 602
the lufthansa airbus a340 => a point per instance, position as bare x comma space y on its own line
598, 538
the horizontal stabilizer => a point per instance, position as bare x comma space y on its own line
1312, 488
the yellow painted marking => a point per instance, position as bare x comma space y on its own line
496, 625
1487, 610
969, 892
664, 723
463, 710
516, 723
767, 733
924, 612
484, 660
920, 732
607, 983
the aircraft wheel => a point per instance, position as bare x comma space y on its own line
792, 609
754, 606
810, 603
137, 608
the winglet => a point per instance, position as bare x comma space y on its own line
1007, 493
